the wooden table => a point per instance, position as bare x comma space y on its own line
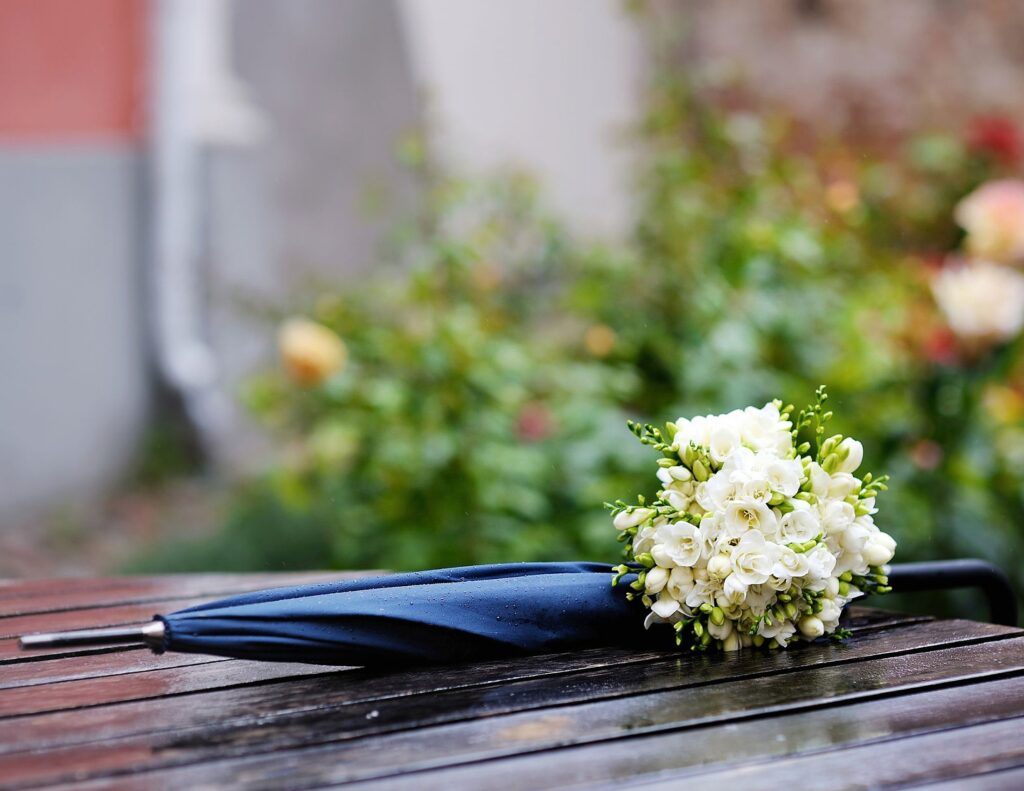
906, 701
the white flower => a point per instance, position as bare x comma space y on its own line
677, 544
983, 302
820, 562
781, 631
764, 429
789, 564
798, 527
720, 631
643, 541
714, 493
680, 583
758, 598
723, 442
746, 514
734, 591
842, 486
665, 606
785, 475
627, 519
851, 454
837, 516
830, 611
820, 480
753, 559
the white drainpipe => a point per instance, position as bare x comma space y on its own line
196, 102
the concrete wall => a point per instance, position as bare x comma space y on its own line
73, 373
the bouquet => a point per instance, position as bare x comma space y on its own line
755, 538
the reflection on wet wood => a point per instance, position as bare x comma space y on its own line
901, 687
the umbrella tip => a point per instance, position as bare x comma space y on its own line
150, 634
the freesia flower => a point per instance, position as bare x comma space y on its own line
993, 216
983, 302
677, 544
749, 541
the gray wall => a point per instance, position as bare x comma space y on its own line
73, 384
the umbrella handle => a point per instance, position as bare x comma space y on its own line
151, 634
969, 573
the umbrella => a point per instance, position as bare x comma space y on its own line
450, 615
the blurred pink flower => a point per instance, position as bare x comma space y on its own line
926, 454
993, 216
535, 422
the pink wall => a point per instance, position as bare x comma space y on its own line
72, 69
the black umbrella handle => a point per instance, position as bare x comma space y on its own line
947, 574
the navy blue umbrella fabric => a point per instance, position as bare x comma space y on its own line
446, 615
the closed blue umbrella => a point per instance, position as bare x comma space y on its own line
450, 615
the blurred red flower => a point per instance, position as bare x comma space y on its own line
997, 135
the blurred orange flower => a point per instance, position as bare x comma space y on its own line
309, 351
599, 340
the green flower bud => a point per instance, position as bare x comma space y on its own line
700, 471
717, 616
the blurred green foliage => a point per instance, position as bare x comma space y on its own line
493, 360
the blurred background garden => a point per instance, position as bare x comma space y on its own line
372, 284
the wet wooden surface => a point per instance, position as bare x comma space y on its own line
907, 701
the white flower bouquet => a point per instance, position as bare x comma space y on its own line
755, 538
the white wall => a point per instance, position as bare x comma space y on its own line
548, 84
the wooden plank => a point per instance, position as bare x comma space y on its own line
624, 760
133, 660
639, 703
151, 684
345, 688
946, 755
41, 596
256, 704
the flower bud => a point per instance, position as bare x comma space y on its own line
811, 627
631, 518
879, 549
645, 559
851, 454
731, 643
656, 579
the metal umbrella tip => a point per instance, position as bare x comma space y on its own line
150, 634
